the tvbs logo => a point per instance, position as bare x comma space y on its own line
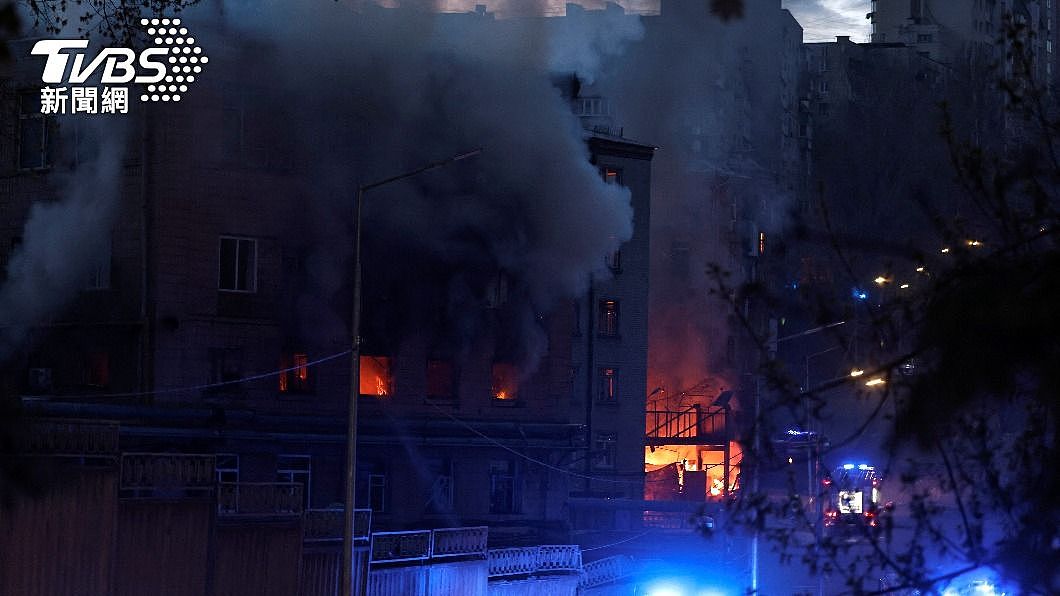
167, 69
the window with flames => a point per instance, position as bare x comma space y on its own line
294, 373
504, 382
376, 376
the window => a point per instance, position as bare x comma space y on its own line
226, 366
608, 323
504, 383
440, 493
605, 451
294, 375
376, 377
227, 467
97, 369
35, 131
238, 265
608, 386
612, 175
823, 87
614, 261
823, 109
923, 38
295, 468
377, 492
504, 487
440, 380
99, 275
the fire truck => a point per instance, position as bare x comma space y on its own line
854, 498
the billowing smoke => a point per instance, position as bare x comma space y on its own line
63, 241
384, 91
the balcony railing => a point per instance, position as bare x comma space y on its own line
535, 559
393, 547
324, 525
166, 475
703, 424
69, 438
605, 571
459, 542
259, 499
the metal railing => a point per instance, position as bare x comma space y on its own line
708, 423
323, 525
459, 542
69, 438
392, 547
166, 474
535, 559
604, 571
259, 499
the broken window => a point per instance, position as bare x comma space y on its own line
294, 373
504, 487
608, 323
605, 449
504, 382
35, 133
608, 385
441, 384
376, 378
237, 271
614, 261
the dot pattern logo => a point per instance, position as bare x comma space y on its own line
184, 62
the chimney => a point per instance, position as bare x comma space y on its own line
842, 39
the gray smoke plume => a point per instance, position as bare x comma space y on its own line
63, 240
383, 91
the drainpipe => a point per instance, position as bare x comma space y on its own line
590, 342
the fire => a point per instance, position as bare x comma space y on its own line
380, 387
375, 376
502, 394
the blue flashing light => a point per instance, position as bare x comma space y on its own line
848, 466
794, 285
864, 467
665, 589
859, 294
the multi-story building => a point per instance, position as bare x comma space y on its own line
203, 333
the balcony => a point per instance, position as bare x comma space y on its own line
166, 475
529, 560
692, 426
397, 547
259, 499
325, 525
69, 438
459, 542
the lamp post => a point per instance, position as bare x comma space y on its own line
355, 366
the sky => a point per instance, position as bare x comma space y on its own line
822, 20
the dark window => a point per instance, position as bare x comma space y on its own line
296, 468
97, 369
238, 265
226, 366
608, 389
504, 487
823, 109
497, 291
377, 492
440, 492
227, 467
294, 375
605, 451
441, 383
923, 38
614, 261
504, 383
376, 378
99, 275
608, 323
35, 132
612, 175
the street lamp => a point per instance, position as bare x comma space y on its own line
355, 365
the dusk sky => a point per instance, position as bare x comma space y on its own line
821, 20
